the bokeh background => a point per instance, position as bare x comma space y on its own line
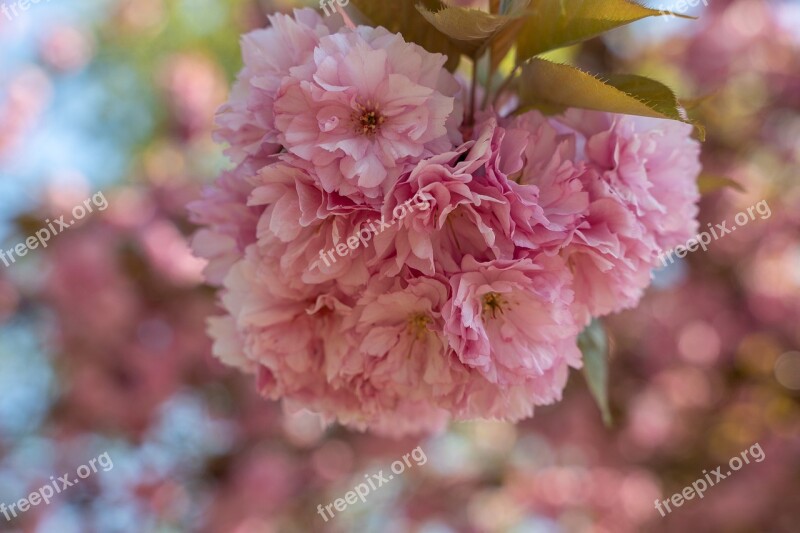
102, 344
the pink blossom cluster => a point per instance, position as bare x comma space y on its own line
469, 309
124, 352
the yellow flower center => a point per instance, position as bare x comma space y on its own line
367, 119
492, 303
418, 325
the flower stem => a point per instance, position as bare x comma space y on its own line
472, 93
504, 86
486, 93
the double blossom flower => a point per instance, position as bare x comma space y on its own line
468, 309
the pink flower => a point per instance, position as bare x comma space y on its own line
611, 257
651, 166
230, 224
367, 107
459, 220
339, 361
642, 183
614, 191
247, 121
490, 257
399, 356
474, 208
278, 336
304, 238
397, 333
511, 320
552, 177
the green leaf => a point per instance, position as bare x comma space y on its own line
503, 41
708, 183
472, 29
558, 23
594, 345
553, 87
401, 16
